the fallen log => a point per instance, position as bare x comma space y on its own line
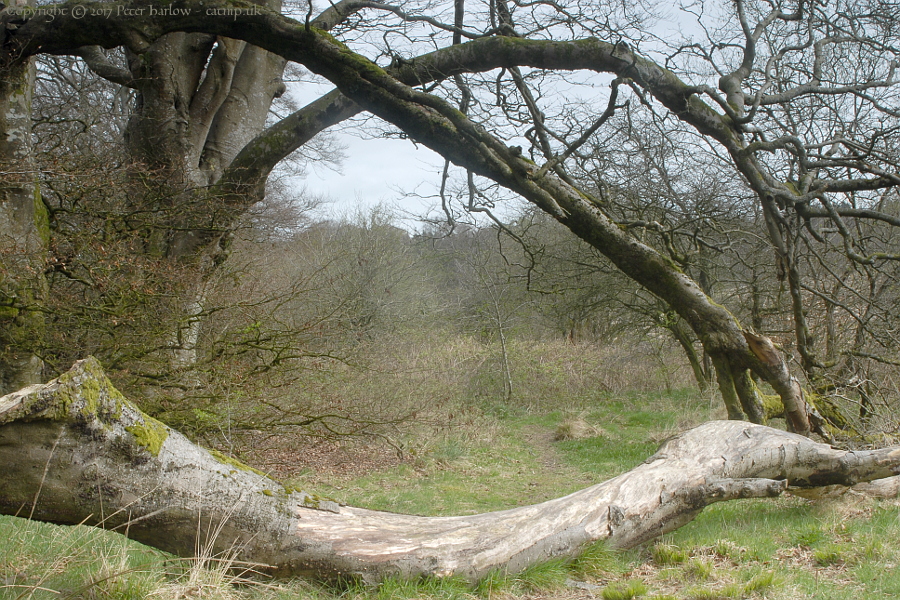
76, 451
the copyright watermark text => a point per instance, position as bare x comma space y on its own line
108, 11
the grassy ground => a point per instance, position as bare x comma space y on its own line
784, 548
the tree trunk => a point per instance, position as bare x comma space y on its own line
687, 344
75, 450
24, 232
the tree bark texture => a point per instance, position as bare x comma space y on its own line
75, 450
24, 232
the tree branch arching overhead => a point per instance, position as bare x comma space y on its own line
786, 172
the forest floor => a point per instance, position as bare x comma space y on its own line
786, 548
285, 458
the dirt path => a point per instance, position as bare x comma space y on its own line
541, 441
283, 458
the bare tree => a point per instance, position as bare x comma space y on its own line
777, 103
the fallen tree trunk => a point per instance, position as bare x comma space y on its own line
76, 451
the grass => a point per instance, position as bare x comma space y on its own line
498, 466
783, 548
38, 560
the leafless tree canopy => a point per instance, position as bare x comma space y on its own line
756, 144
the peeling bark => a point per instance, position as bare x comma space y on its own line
75, 450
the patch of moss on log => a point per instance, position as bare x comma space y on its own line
233, 462
150, 435
87, 393
317, 502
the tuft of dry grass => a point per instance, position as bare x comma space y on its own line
576, 428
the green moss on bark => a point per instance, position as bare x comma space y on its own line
41, 218
86, 394
233, 462
772, 405
835, 421
150, 435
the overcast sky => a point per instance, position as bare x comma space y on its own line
378, 171
375, 170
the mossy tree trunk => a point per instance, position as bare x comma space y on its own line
198, 133
76, 451
23, 232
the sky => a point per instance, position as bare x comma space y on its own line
378, 172
375, 171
